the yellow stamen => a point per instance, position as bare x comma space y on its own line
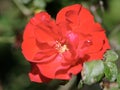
61, 48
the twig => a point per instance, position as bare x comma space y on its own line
93, 10
70, 85
102, 6
23, 9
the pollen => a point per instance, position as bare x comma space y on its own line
61, 48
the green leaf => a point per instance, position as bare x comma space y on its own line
110, 71
92, 71
118, 79
110, 56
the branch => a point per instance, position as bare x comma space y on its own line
70, 85
22, 8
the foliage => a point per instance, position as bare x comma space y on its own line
92, 72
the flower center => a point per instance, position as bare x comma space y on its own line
61, 48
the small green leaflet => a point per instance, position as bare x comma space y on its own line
110, 71
92, 71
110, 56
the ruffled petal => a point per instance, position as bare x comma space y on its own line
29, 47
87, 28
36, 76
75, 69
77, 19
97, 42
45, 28
70, 19
99, 55
39, 37
49, 69
69, 14
67, 73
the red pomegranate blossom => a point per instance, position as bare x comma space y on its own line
58, 49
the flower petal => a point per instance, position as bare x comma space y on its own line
78, 18
39, 35
49, 69
97, 40
70, 19
99, 55
36, 76
29, 47
44, 27
68, 13
75, 69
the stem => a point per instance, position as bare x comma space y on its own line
93, 10
102, 6
23, 9
71, 85
80, 84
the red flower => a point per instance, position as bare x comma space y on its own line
58, 49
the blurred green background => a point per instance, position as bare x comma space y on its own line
14, 14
